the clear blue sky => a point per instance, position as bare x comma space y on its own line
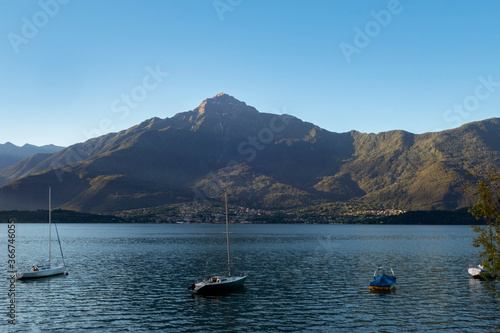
372, 66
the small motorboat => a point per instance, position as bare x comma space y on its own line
384, 280
479, 272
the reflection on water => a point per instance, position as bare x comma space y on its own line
301, 278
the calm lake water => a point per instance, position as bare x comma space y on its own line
300, 278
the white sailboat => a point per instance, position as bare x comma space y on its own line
220, 284
479, 272
45, 270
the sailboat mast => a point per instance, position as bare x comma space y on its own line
60, 247
50, 218
227, 235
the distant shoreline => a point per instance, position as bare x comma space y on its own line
437, 217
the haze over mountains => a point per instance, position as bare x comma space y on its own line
264, 161
10, 153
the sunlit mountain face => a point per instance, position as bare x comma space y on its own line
264, 160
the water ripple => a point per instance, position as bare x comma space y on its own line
301, 279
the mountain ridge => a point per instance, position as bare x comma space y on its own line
264, 160
11, 153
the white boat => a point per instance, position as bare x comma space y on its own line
220, 284
41, 271
38, 271
479, 272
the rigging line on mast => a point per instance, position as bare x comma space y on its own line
60, 247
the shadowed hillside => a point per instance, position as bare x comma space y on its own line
11, 154
264, 160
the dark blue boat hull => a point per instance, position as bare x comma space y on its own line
383, 282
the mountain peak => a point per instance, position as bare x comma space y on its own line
223, 103
220, 94
9, 144
224, 98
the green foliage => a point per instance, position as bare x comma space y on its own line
487, 206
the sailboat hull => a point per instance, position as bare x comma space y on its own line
224, 285
43, 271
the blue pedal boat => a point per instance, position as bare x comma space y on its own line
384, 280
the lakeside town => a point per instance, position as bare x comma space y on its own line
251, 215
